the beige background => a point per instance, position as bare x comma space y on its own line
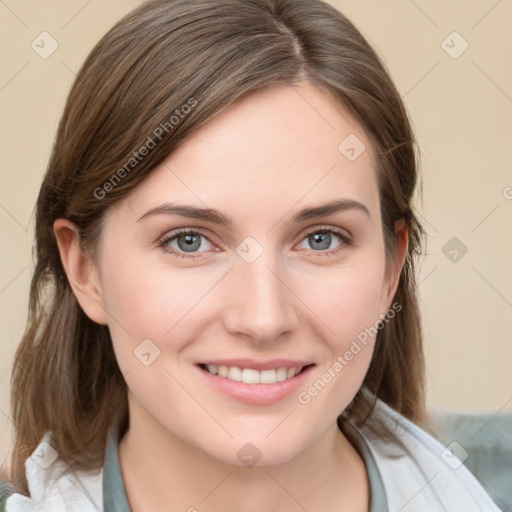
461, 109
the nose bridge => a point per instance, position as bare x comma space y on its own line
261, 305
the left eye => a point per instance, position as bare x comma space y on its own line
321, 239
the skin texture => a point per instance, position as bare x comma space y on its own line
260, 162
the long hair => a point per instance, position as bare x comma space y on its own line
135, 83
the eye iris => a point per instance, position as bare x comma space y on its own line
323, 238
191, 242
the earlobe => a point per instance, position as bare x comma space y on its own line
394, 269
81, 271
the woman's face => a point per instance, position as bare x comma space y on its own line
228, 255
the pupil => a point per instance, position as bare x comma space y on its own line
324, 239
192, 242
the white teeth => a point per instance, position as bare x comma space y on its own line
251, 376
235, 373
268, 377
281, 374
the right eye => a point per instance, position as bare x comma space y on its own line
184, 243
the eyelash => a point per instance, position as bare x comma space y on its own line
163, 242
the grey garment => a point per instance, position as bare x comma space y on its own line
378, 498
114, 492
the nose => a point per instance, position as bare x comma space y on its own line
260, 304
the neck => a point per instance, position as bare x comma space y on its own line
162, 472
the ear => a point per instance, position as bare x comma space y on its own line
394, 267
81, 271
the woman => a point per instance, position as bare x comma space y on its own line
223, 314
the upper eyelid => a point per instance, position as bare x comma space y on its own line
179, 231
334, 229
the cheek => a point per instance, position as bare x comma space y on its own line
146, 301
346, 300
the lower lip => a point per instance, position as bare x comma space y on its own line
257, 394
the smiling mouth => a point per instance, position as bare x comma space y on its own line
252, 376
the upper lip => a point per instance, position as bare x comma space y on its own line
259, 365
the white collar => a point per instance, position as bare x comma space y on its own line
418, 472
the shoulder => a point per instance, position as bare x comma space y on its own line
418, 472
52, 486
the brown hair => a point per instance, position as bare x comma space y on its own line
162, 56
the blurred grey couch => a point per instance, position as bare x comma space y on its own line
485, 441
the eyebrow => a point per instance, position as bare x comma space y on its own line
339, 205
218, 217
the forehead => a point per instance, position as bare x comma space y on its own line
271, 151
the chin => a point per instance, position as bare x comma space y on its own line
257, 454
